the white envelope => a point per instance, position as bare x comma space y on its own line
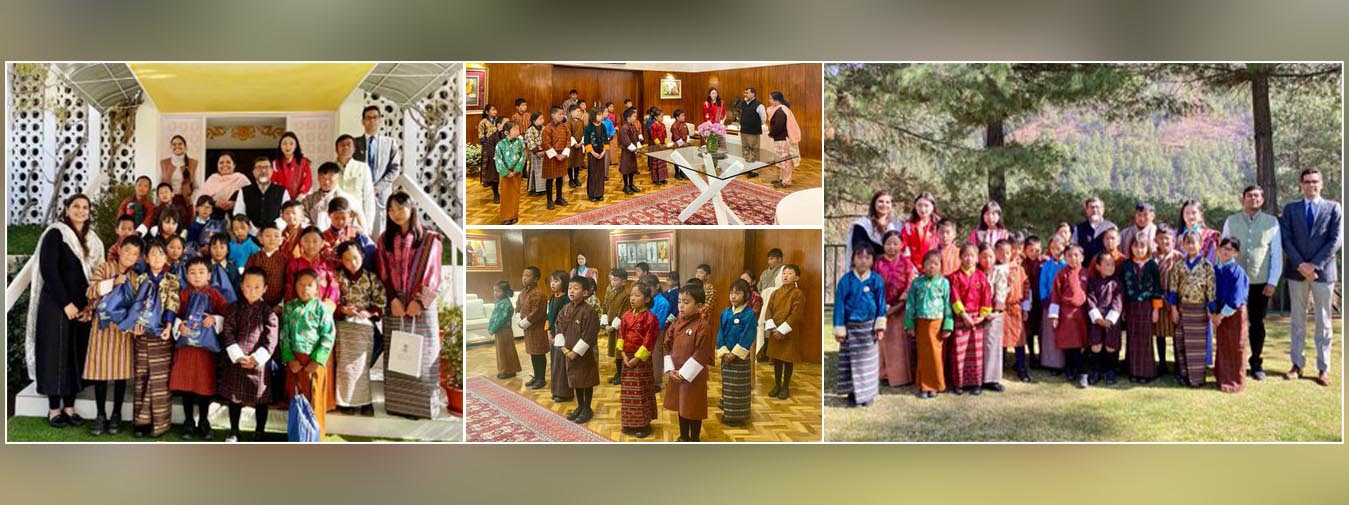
784, 328
690, 369
632, 147
405, 353
551, 153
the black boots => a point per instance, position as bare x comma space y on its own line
617, 379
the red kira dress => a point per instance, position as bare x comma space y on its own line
1070, 294
970, 293
639, 331
193, 367
899, 354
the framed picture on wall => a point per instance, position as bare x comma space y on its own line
475, 89
483, 253
671, 89
655, 248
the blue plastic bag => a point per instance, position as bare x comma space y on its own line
113, 307
301, 425
220, 280
196, 334
146, 310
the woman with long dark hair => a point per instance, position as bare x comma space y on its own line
178, 167
919, 231
223, 185
871, 228
291, 168
786, 135
409, 266
991, 226
713, 109
57, 335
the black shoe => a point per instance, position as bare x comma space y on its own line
1023, 377
139, 432
1083, 381
58, 421
204, 429
74, 420
996, 387
616, 380
976, 391
636, 189
1110, 377
775, 391
188, 431
753, 174
923, 395
496, 199
504, 376
561, 201
584, 416
642, 433
627, 190
571, 416
784, 394
550, 204
368, 411
96, 429
114, 424
1258, 375
957, 391
539, 385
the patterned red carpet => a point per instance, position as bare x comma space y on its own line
754, 204
495, 414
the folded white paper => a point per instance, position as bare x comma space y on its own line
1053, 310
1094, 314
580, 348
234, 352
784, 328
669, 364
104, 287
639, 137
632, 147
551, 153
690, 369
559, 340
261, 355
1112, 316
739, 352
768, 325
669, 318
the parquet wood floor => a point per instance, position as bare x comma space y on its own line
797, 419
534, 209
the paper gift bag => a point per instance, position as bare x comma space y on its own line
405, 353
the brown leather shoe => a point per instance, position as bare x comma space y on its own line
1323, 379
1293, 374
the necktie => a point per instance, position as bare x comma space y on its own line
1311, 214
370, 152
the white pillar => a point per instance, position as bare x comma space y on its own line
411, 157
148, 140
93, 154
349, 114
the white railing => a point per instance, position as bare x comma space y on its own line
448, 227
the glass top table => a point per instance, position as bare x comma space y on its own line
710, 174
728, 163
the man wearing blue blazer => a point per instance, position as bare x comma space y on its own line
1311, 236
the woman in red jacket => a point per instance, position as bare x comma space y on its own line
713, 109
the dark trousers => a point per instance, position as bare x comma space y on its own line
1257, 304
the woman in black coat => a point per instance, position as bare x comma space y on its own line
60, 314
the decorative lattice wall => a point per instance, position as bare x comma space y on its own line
437, 167
124, 160
29, 186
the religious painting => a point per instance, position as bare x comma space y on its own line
655, 248
484, 253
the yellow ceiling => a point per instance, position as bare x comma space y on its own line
248, 87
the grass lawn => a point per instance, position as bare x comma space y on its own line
35, 429
22, 238
1050, 409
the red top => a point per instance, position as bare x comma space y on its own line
918, 240
972, 291
897, 275
327, 277
658, 134
638, 330
713, 112
294, 176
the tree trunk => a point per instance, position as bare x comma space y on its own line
1264, 141
994, 138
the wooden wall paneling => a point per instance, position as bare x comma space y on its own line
595, 245
800, 247
800, 83
508, 81
549, 250
723, 250
512, 259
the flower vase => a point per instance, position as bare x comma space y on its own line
713, 146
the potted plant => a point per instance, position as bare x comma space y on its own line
473, 158
712, 134
452, 355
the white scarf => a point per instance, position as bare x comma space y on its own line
178, 160
89, 261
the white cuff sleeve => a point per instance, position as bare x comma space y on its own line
768, 325
1228, 311
690, 369
522, 324
219, 323
1053, 310
740, 352
784, 328
616, 323
559, 340
840, 331
104, 287
632, 147
581, 347
669, 364
721, 351
575, 142
261, 355
604, 319
880, 324
1112, 316
234, 352
566, 151
639, 137
551, 153
1094, 314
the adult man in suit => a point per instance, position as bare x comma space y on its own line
1310, 229
382, 155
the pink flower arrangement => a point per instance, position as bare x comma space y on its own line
709, 128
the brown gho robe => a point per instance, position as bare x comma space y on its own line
785, 307
689, 337
578, 322
533, 305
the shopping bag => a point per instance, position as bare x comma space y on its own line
405, 353
196, 334
301, 425
146, 310
113, 307
220, 280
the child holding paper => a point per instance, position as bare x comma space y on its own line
735, 344
689, 348
639, 332
575, 333
782, 316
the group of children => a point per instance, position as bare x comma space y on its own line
942, 319
545, 148
655, 336
295, 310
